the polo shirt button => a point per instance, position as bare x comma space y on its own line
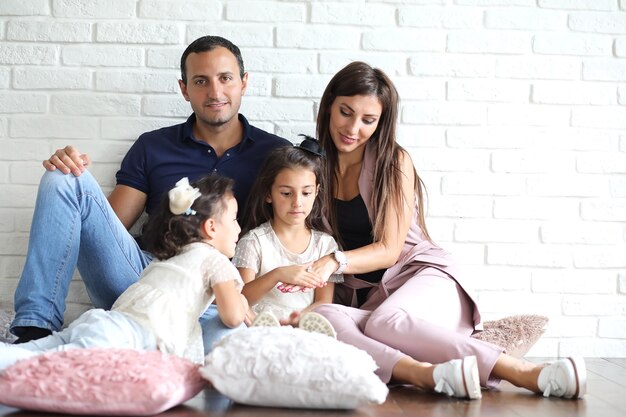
209, 151
214, 170
227, 154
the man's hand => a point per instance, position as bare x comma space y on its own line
67, 160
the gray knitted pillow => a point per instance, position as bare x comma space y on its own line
6, 317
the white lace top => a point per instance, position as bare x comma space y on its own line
171, 295
261, 251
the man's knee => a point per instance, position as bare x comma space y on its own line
56, 180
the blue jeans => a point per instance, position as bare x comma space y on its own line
74, 226
213, 329
95, 328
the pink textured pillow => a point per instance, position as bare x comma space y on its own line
100, 381
516, 334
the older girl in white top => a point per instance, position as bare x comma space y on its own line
285, 234
192, 235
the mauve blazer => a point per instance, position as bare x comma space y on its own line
418, 253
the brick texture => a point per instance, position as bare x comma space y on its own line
513, 111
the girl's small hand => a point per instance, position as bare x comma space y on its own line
250, 316
295, 288
244, 301
287, 288
293, 319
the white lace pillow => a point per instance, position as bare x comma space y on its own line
287, 367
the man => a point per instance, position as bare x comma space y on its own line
75, 225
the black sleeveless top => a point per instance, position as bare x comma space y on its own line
356, 231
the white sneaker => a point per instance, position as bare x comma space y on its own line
266, 319
565, 378
314, 322
458, 378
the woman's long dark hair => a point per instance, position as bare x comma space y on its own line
359, 78
165, 234
287, 157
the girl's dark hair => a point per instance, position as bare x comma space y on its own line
359, 78
165, 233
287, 157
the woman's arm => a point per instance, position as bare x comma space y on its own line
385, 252
232, 306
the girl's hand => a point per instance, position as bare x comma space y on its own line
250, 316
298, 275
293, 319
286, 288
244, 302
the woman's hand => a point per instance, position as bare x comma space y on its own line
325, 266
298, 275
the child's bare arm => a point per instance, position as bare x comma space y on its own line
255, 289
232, 306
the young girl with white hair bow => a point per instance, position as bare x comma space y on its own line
192, 236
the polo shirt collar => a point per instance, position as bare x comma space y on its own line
188, 129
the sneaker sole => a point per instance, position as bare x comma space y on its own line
265, 319
471, 379
314, 322
580, 373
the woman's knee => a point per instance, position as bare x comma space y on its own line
330, 311
385, 320
342, 317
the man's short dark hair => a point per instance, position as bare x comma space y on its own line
205, 44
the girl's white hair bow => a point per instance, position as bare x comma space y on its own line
182, 197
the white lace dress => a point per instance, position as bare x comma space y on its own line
171, 295
261, 251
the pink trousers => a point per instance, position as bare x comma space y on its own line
428, 318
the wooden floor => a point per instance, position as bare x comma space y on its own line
606, 397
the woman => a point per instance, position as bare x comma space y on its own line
403, 298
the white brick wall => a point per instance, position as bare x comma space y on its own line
514, 112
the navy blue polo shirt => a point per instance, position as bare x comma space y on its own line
158, 159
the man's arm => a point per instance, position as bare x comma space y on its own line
128, 203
